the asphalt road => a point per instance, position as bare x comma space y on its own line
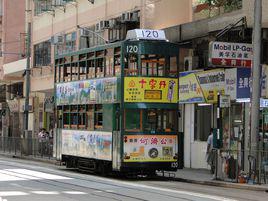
22, 180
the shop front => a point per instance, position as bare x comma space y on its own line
198, 93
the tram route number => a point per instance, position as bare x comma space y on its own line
152, 34
132, 49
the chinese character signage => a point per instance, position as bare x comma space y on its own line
150, 148
150, 89
230, 54
189, 89
87, 92
243, 83
89, 144
211, 82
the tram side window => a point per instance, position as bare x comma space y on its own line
150, 120
153, 65
67, 72
90, 117
98, 117
74, 71
82, 117
109, 69
169, 120
131, 66
173, 66
133, 120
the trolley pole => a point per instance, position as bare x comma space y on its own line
256, 73
27, 82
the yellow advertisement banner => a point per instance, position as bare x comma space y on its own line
150, 148
150, 89
189, 89
212, 82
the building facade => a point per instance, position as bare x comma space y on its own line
12, 64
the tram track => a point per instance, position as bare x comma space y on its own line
58, 184
75, 176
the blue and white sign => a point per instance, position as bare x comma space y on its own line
243, 83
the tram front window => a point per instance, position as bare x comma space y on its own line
150, 120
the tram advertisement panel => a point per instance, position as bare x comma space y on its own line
89, 144
151, 89
150, 148
87, 91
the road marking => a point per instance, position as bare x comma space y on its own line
188, 193
97, 191
74, 192
12, 193
109, 191
40, 175
5, 177
45, 192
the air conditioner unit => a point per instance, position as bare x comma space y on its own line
126, 17
190, 63
130, 17
135, 17
113, 23
104, 24
97, 27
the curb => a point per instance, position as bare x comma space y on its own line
44, 160
224, 184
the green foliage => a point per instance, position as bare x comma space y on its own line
228, 5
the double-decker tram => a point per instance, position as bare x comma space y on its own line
117, 105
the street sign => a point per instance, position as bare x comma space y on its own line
225, 101
230, 54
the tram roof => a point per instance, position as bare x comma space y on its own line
161, 48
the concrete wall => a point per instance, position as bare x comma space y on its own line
154, 14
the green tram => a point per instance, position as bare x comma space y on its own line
117, 107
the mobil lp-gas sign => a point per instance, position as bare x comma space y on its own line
230, 54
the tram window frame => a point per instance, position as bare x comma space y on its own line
109, 62
147, 70
117, 61
131, 65
98, 116
75, 71
90, 117
67, 72
173, 66
160, 125
91, 68
132, 118
82, 70
165, 120
82, 117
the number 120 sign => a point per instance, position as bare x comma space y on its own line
148, 34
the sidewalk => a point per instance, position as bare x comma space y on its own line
203, 177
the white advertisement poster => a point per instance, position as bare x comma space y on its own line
150, 148
230, 82
88, 144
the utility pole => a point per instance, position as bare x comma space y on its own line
27, 81
256, 73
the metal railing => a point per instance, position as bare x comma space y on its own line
27, 147
241, 166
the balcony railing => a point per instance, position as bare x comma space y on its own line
41, 6
211, 8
